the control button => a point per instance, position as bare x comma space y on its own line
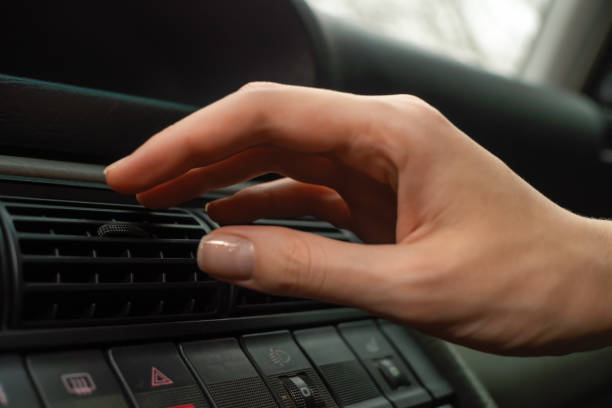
299, 391
395, 378
275, 353
15, 387
349, 382
78, 383
285, 368
75, 379
157, 376
227, 374
429, 375
385, 366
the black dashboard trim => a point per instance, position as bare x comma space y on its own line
57, 338
9, 260
4, 266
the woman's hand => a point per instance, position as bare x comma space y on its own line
458, 245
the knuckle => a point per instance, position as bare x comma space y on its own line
415, 106
257, 99
421, 125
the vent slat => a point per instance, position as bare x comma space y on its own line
50, 309
101, 274
58, 246
108, 214
118, 287
250, 302
102, 241
316, 227
105, 261
298, 224
43, 224
334, 235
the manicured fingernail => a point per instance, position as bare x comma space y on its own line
112, 165
206, 207
226, 256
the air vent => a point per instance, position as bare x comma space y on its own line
249, 302
83, 263
308, 224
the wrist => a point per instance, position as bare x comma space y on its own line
588, 306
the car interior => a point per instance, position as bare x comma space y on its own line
101, 300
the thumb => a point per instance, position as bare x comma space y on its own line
285, 262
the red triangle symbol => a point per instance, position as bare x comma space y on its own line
158, 378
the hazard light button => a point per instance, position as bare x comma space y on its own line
157, 376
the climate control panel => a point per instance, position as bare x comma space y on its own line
354, 364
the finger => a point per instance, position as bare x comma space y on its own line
243, 166
296, 118
285, 262
284, 198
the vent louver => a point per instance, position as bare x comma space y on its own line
69, 273
250, 302
308, 224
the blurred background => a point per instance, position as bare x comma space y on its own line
497, 35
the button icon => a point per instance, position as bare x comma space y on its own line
279, 356
372, 345
3, 397
158, 378
78, 383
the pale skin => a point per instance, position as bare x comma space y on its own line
456, 244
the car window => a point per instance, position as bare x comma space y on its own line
493, 34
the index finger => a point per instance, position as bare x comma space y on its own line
297, 118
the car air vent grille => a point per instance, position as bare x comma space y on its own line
249, 302
83, 263
308, 224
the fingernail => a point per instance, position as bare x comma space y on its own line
226, 256
110, 166
206, 207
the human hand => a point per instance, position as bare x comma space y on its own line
458, 245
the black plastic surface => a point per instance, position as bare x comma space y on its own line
15, 387
54, 121
75, 379
410, 350
227, 374
368, 343
5, 266
65, 275
345, 376
189, 51
278, 357
157, 376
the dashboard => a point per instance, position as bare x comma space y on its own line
104, 306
